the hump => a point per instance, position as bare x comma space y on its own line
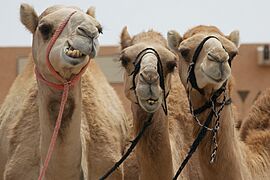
202, 29
258, 116
149, 36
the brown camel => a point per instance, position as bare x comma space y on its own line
255, 131
163, 145
93, 132
235, 159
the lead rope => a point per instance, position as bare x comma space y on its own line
216, 127
55, 132
205, 128
130, 149
65, 87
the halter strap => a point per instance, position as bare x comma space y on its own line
137, 65
63, 81
191, 70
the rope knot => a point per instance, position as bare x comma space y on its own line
68, 83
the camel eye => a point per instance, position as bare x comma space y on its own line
171, 66
124, 61
46, 30
184, 52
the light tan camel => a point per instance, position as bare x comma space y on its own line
164, 144
236, 160
93, 132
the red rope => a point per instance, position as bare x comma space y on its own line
55, 132
65, 86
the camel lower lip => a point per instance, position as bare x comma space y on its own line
73, 60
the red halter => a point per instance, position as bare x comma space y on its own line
64, 87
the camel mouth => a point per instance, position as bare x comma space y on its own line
152, 101
150, 105
72, 52
216, 80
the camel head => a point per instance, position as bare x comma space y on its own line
212, 67
148, 64
75, 46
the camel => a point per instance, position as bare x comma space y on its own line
235, 159
94, 128
163, 145
258, 118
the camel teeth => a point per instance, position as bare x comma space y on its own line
151, 102
69, 52
73, 53
80, 54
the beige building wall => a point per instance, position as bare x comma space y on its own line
250, 77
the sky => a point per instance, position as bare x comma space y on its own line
250, 17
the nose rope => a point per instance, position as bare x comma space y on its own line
65, 86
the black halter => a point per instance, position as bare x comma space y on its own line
191, 70
211, 104
137, 66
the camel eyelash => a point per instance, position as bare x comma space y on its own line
171, 66
100, 29
124, 61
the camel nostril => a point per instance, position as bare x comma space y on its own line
149, 76
91, 33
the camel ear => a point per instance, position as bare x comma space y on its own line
174, 39
125, 38
29, 17
234, 37
91, 11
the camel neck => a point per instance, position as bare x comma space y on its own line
227, 163
153, 150
65, 162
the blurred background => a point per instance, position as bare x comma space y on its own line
251, 68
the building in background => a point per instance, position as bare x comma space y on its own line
251, 71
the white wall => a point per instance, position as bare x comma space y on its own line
249, 16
